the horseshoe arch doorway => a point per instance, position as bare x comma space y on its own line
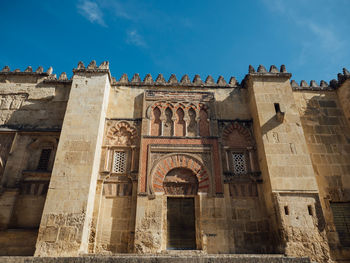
181, 186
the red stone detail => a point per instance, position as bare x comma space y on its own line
202, 175
203, 141
182, 161
161, 175
166, 165
157, 188
158, 180
190, 163
204, 180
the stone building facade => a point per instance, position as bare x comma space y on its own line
92, 165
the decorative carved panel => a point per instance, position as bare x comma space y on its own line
121, 134
180, 181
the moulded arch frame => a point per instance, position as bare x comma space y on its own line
171, 161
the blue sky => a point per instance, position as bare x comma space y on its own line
311, 37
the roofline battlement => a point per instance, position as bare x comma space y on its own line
324, 85
173, 81
185, 81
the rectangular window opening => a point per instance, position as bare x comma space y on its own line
277, 107
239, 163
44, 160
309, 208
286, 210
119, 162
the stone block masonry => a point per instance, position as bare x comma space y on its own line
67, 214
175, 170
160, 259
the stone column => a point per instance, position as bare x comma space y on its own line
67, 215
289, 183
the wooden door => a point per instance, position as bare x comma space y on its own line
181, 229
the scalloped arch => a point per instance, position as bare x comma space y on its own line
243, 131
117, 136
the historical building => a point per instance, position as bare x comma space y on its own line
92, 165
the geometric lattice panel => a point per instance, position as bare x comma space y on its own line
239, 163
119, 162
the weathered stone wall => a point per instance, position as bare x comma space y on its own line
344, 98
150, 225
28, 102
327, 135
6, 140
30, 107
302, 225
18, 242
65, 226
93, 209
188, 258
284, 158
27, 211
248, 221
116, 225
125, 102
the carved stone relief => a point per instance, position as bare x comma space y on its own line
121, 134
170, 165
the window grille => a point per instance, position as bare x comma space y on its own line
119, 162
341, 215
239, 163
44, 159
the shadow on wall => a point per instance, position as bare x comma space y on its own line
24, 113
327, 135
138, 102
40, 109
328, 139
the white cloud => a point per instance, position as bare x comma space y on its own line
134, 38
91, 11
118, 9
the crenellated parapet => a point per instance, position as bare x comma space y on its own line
174, 82
28, 71
39, 73
261, 71
92, 67
323, 85
341, 79
312, 86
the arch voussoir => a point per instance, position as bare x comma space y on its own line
163, 167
